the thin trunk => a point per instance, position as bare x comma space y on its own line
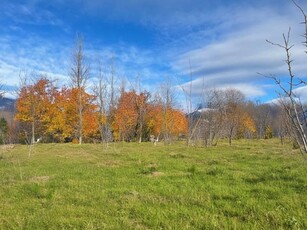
80, 118
33, 132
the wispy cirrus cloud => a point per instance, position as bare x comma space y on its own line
221, 42
233, 60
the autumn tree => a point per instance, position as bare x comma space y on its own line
247, 126
33, 106
79, 74
125, 117
163, 123
65, 118
154, 119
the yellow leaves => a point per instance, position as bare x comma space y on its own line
249, 123
56, 112
102, 119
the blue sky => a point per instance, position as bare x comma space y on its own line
221, 42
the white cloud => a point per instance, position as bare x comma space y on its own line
224, 41
233, 60
301, 92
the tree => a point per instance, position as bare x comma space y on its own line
100, 91
227, 109
125, 117
141, 104
79, 74
165, 123
3, 130
65, 118
167, 101
154, 119
33, 105
289, 99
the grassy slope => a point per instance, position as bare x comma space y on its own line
251, 185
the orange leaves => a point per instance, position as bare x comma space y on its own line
166, 120
155, 119
126, 115
35, 102
65, 120
55, 114
179, 124
134, 113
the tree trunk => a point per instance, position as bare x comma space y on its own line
33, 133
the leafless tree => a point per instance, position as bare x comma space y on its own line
263, 119
167, 97
79, 74
289, 100
100, 91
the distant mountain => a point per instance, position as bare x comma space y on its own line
7, 104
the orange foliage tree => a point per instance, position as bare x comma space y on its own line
34, 105
168, 122
154, 119
125, 117
65, 122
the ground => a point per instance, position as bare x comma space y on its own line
254, 184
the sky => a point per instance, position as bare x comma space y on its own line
202, 44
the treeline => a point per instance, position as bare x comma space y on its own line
105, 112
49, 114
227, 114
46, 113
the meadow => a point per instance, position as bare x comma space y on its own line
255, 184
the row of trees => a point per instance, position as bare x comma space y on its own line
52, 114
107, 113
72, 114
227, 114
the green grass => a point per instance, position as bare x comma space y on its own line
251, 185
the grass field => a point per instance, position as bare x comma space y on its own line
252, 185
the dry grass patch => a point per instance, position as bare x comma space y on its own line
39, 179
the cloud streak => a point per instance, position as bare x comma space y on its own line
221, 42
234, 60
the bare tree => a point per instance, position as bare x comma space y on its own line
167, 97
289, 99
79, 74
100, 91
